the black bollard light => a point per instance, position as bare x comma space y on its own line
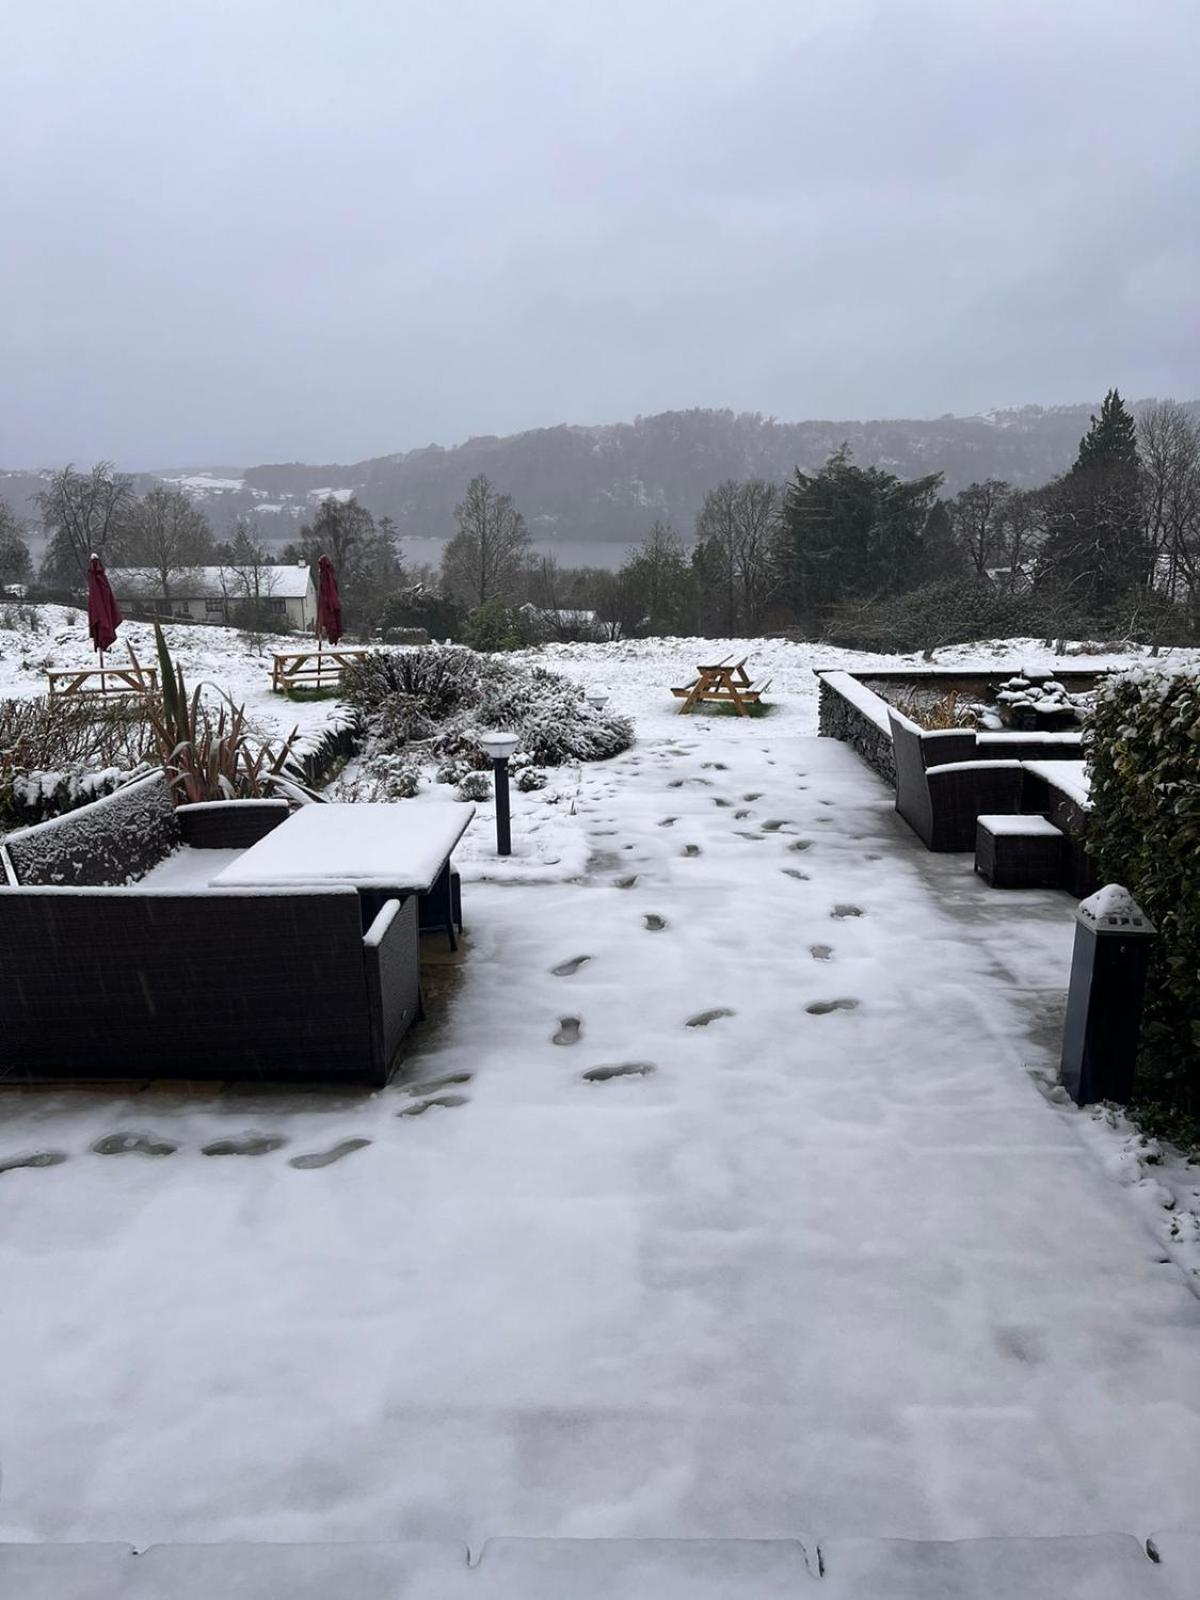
498, 747
1104, 1003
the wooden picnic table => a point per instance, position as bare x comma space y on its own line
113, 680
724, 684
312, 669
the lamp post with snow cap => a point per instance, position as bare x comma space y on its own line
498, 747
1113, 936
596, 696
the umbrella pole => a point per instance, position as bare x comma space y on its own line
103, 680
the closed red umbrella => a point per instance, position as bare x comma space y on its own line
104, 615
329, 603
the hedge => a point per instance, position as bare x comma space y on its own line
1143, 747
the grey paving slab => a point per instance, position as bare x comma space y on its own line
1109, 1566
644, 1569
65, 1571
409, 1570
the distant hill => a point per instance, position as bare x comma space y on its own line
605, 485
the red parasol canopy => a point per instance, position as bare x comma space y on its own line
104, 615
329, 602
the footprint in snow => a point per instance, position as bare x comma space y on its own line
794, 872
740, 833
822, 1008
668, 822
872, 855
426, 1086
691, 849
675, 783
569, 1029
36, 1158
757, 795
717, 801
653, 922
740, 816
326, 1158
626, 1069
703, 1018
133, 1144
775, 824
821, 952
800, 844
714, 766
420, 1107
846, 911
564, 969
250, 1145
627, 883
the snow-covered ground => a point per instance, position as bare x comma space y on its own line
738, 1204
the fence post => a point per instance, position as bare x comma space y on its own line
1104, 1002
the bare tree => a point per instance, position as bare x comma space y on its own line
15, 562
484, 559
975, 515
737, 542
84, 512
167, 534
1169, 449
248, 582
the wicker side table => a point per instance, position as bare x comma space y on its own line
1019, 852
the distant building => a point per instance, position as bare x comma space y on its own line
214, 594
552, 624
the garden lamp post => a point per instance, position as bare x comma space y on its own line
596, 696
498, 747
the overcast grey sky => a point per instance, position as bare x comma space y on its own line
252, 230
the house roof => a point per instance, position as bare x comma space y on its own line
291, 582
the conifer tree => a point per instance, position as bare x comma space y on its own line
1096, 549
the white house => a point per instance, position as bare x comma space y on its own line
213, 594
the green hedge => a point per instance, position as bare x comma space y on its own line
1143, 748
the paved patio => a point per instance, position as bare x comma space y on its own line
827, 1266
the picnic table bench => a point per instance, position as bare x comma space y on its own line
113, 680
312, 669
722, 684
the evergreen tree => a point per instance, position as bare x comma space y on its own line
855, 533
1096, 548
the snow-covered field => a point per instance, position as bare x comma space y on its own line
739, 1202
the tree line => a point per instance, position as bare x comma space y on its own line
853, 554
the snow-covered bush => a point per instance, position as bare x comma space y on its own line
442, 698
59, 753
1143, 749
529, 779
475, 786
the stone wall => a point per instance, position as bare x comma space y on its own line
845, 712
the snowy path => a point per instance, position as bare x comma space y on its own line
833, 1267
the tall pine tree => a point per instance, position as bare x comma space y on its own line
1096, 549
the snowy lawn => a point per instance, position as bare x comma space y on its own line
724, 1197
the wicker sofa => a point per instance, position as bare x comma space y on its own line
941, 788
101, 978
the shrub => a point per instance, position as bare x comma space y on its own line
494, 626
418, 607
442, 698
1143, 748
206, 758
530, 779
57, 753
475, 786
951, 611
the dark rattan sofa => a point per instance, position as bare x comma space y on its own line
941, 788
101, 978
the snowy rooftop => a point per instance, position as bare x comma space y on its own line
282, 582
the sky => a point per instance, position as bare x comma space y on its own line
236, 231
